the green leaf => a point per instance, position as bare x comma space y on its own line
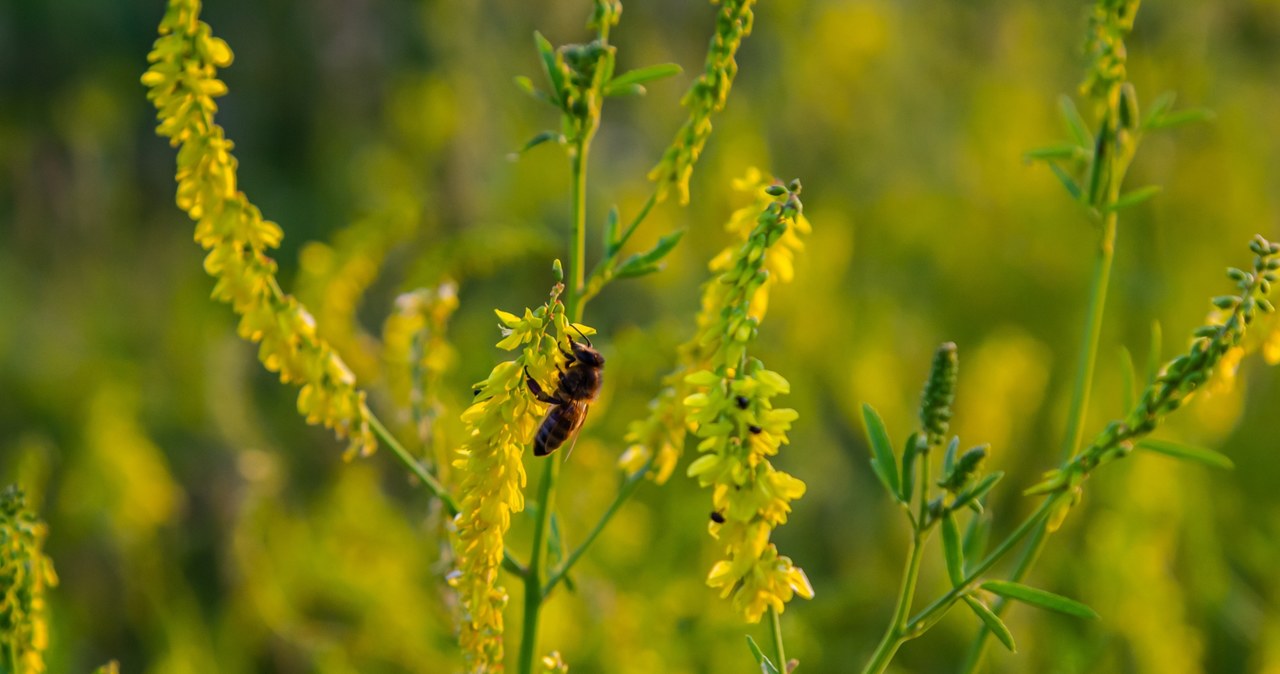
536, 141
881, 451
992, 621
1039, 598
909, 453
949, 457
1067, 181
1128, 377
526, 85
977, 490
1180, 451
766, 667
647, 262
1075, 123
1180, 118
611, 232
976, 536
1060, 151
548, 54
637, 77
951, 549
1133, 198
1162, 104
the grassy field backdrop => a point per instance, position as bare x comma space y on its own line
198, 525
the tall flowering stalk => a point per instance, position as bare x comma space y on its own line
25, 572
657, 440
183, 84
499, 426
709, 94
732, 413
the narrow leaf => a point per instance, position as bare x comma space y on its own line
909, 467
766, 667
1180, 451
1060, 151
1075, 123
1133, 198
640, 76
1180, 118
626, 90
1036, 597
992, 621
977, 491
949, 458
535, 142
976, 536
1067, 181
1162, 104
952, 550
647, 262
548, 54
611, 232
1128, 379
881, 451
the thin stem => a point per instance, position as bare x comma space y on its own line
414, 466
628, 488
775, 626
546, 493
1092, 330
433, 485
533, 595
934, 612
894, 635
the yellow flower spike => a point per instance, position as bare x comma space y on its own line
24, 634
728, 405
182, 83
499, 426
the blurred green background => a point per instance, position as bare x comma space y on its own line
199, 526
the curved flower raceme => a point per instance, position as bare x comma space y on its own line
708, 94
25, 572
660, 436
730, 409
499, 425
183, 84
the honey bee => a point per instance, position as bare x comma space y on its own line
577, 386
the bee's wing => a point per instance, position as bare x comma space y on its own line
579, 418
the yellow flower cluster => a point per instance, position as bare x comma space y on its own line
730, 409
183, 84
500, 424
25, 572
708, 94
660, 436
417, 352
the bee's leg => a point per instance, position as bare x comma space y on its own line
537, 391
568, 355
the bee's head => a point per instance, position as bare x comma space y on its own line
587, 355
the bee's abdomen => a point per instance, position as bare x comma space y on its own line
554, 431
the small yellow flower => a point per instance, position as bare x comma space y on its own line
27, 572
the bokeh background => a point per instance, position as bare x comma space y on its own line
199, 526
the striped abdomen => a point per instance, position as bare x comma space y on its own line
562, 421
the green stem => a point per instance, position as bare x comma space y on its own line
433, 485
625, 492
414, 466
895, 635
934, 612
775, 626
533, 595
533, 581
1092, 330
